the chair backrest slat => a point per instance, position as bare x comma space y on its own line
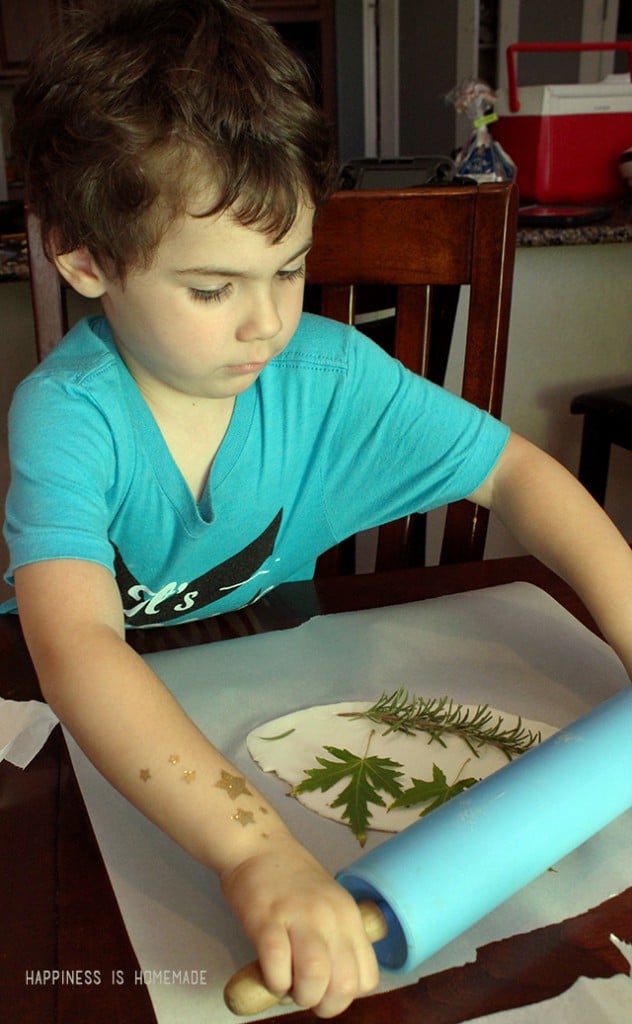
412, 327
337, 302
49, 313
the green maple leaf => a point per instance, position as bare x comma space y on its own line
439, 791
367, 777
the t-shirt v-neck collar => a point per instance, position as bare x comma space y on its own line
196, 516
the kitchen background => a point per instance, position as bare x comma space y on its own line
384, 67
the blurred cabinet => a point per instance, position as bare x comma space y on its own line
19, 31
22, 23
308, 27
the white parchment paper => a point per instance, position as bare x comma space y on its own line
512, 647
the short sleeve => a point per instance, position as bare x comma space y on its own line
63, 473
401, 444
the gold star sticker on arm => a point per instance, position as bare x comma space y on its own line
243, 817
235, 785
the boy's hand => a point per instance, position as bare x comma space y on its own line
307, 930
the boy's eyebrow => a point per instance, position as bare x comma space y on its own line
227, 272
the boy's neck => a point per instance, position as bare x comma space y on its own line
193, 430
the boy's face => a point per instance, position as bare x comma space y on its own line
219, 301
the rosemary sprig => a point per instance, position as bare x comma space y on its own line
438, 716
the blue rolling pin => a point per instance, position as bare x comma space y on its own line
445, 872
493, 839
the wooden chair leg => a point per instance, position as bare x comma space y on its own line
594, 458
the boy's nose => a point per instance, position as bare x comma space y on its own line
261, 320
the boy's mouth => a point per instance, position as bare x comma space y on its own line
247, 368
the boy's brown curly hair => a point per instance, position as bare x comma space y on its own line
131, 116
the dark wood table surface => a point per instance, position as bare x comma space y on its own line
59, 912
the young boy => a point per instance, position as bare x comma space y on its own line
202, 442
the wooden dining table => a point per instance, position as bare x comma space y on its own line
59, 912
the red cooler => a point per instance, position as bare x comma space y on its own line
566, 140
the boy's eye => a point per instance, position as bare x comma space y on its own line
211, 294
219, 294
292, 275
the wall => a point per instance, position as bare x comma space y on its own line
541, 20
428, 70
570, 331
350, 84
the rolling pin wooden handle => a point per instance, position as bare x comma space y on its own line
246, 991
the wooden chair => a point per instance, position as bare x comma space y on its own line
420, 241
47, 298
416, 243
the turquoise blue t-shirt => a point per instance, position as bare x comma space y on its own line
334, 436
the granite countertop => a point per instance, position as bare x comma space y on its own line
13, 258
616, 228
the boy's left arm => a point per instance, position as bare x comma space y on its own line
551, 515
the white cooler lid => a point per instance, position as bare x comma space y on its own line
590, 98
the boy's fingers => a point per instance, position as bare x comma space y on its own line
329, 976
354, 973
276, 959
368, 970
312, 966
344, 985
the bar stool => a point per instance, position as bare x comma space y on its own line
607, 420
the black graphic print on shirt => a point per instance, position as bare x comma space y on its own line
144, 607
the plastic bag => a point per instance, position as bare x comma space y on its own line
481, 158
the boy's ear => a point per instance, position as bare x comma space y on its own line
82, 272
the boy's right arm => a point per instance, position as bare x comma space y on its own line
306, 929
